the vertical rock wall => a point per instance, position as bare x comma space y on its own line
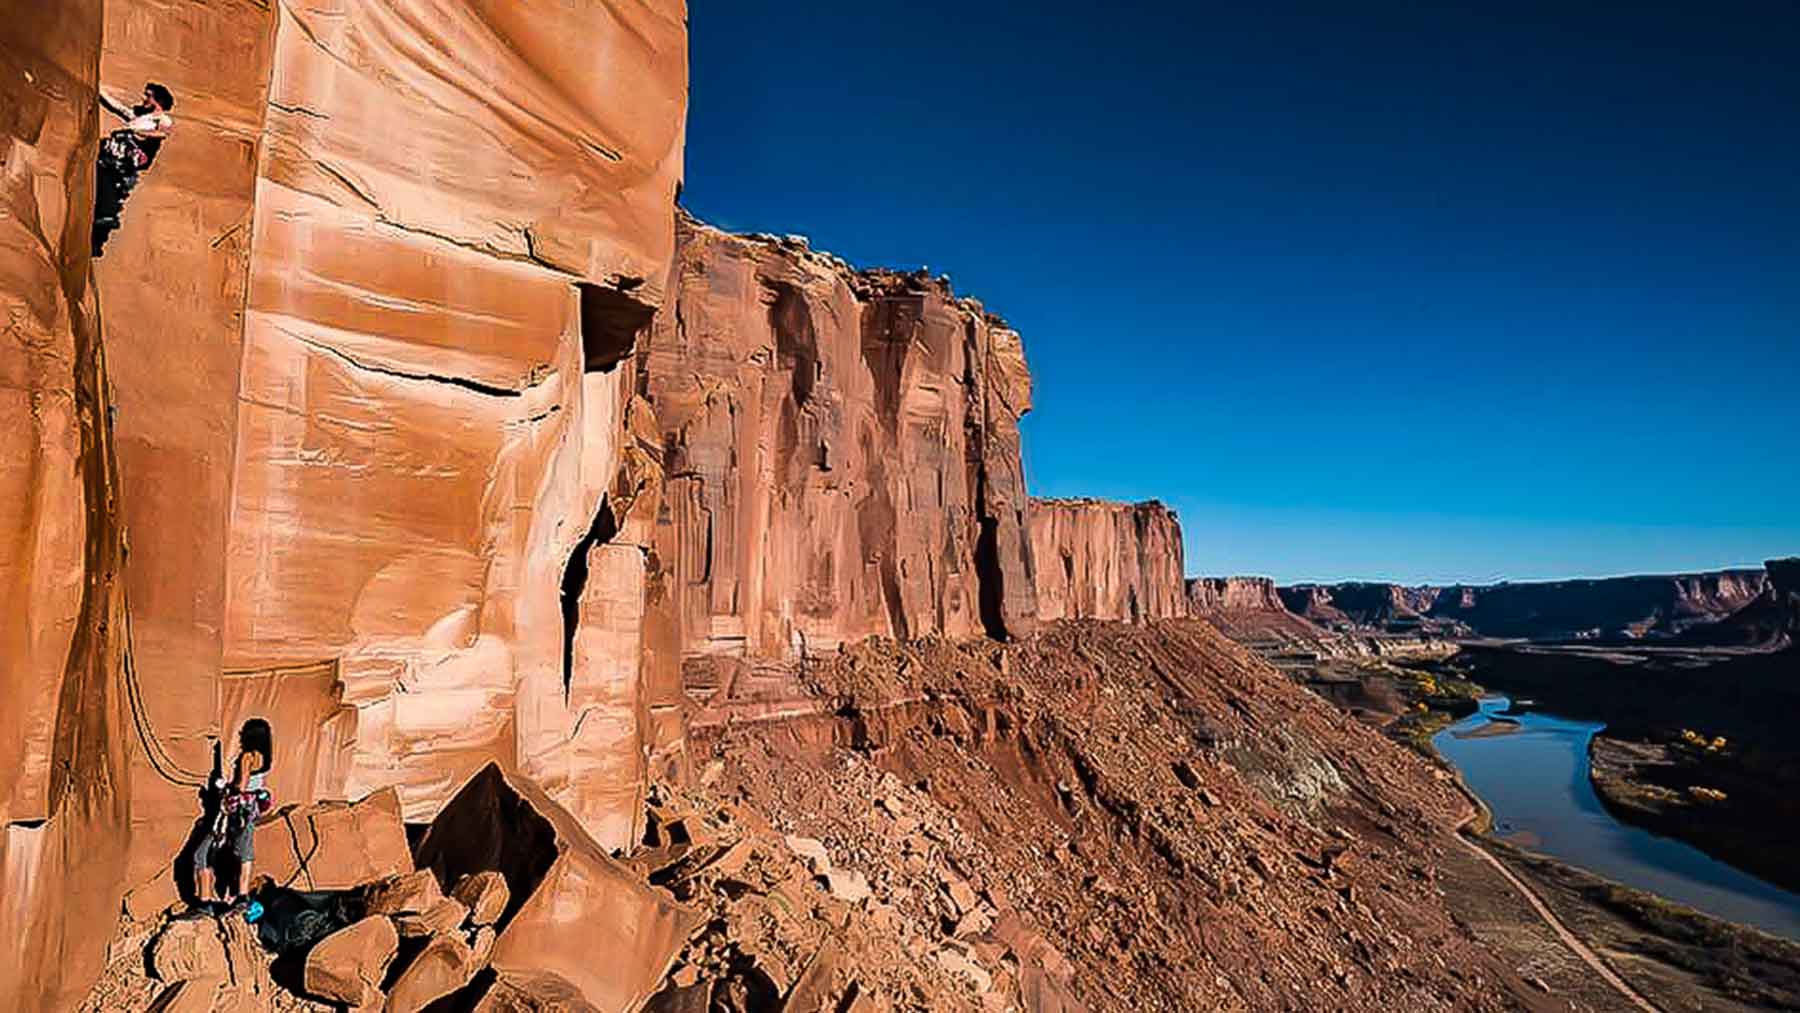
1098, 559
172, 286
368, 312
1207, 595
461, 223
842, 453
64, 799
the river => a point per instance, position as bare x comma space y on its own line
1536, 782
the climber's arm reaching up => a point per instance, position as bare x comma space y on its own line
115, 108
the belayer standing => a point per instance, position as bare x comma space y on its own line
126, 152
242, 800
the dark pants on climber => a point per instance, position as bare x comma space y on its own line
120, 157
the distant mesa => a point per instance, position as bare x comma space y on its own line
1610, 609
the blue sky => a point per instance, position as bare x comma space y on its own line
1360, 290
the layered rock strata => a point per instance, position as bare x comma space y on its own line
1617, 608
1639, 607
1208, 595
1770, 620
842, 452
1097, 559
1363, 606
1251, 611
842, 458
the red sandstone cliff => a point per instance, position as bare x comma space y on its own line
1098, 559
1389, 607
839, 444
1624, 608
1250, 610
1770, 620
364, 327
1232, 594
1627, 608
64, 798
842, 452
391, 411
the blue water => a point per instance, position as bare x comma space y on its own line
1536, 782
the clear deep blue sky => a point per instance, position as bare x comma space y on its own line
1362, 290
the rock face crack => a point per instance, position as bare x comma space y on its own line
574, 582
488, 389
299, 110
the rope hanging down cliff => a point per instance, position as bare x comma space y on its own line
160, 760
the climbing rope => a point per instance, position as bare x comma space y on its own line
160, 760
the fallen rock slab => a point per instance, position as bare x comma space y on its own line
348, 965
812, 852
334, 845
413, 893
577, 921
443, 966
847, 885
960, 965
482, 944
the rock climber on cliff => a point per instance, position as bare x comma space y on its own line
126, 152
241, 801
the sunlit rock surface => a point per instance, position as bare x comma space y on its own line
64, 796
842, 453
1098, 559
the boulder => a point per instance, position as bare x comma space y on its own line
817, 986
961, 894
811, 852
485, 895
348, 965
444, 916
334, 845
414, 893
847, 885
443, 966
1041, 992
250, 978
577, 925
189, 949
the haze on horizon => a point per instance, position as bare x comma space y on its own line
1394, 293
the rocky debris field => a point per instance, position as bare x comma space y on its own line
1111, 817
1103, 817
